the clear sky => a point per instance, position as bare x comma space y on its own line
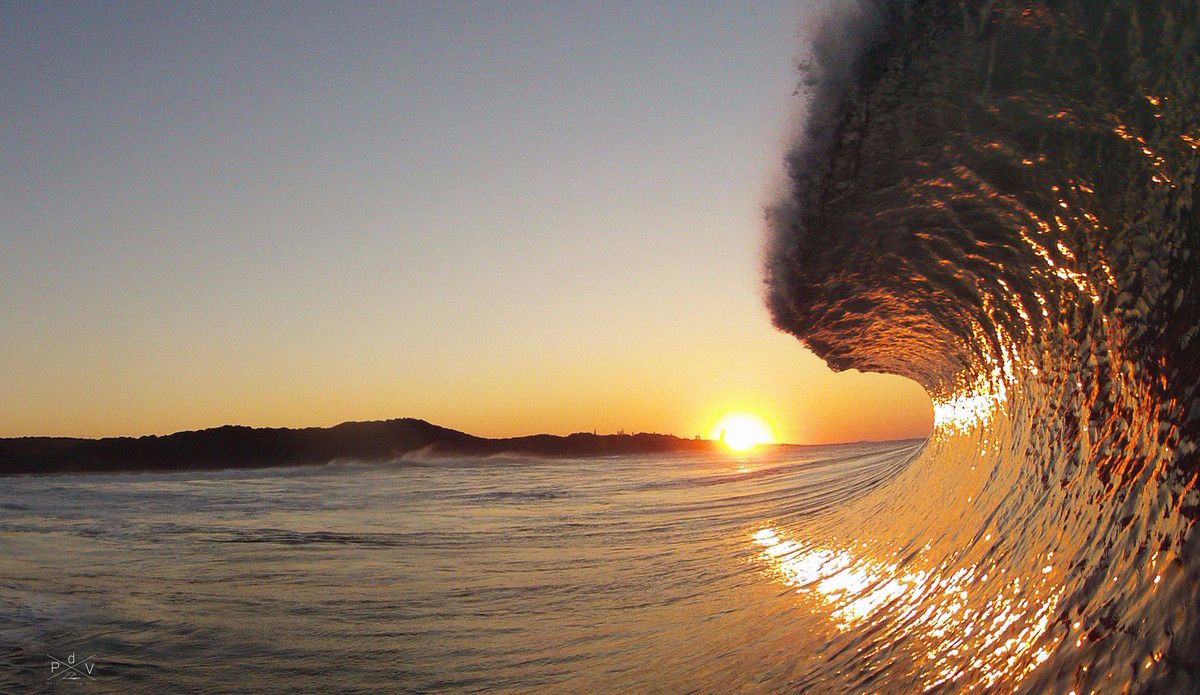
501, 217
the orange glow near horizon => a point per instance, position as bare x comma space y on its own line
501, 282
742, 431
681, 386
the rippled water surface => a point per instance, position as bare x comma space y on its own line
993, 198
628, 574
997, 200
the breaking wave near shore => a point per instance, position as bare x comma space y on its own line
995, 199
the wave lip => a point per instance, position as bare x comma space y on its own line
998, 203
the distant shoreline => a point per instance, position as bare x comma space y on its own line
238, 447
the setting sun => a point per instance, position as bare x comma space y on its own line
741, 431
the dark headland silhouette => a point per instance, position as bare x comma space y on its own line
250, 447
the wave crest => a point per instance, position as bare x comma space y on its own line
998, 203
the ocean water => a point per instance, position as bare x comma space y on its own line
637, 574
997, 200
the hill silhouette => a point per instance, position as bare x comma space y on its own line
234, 446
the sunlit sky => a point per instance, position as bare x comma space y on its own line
501, 217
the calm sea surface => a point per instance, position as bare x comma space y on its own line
633, 574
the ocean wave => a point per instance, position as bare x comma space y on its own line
996, 200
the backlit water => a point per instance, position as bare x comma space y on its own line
599, 575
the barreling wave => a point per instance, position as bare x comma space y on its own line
996, 200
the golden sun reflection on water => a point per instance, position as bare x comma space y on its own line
963, 626
855, 588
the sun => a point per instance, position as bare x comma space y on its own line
741, 431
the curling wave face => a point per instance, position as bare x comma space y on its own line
996, 200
